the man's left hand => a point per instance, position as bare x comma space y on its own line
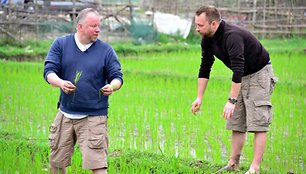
228, 110
107, 90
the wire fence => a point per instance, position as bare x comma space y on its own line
125, 20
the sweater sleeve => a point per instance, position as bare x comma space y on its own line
235, 48
207, 61
113, 67
53, 60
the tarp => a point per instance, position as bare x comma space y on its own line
171, 24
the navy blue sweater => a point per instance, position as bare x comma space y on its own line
99, 65
237, 48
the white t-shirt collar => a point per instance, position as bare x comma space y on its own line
80, 45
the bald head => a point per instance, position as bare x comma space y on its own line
83, 14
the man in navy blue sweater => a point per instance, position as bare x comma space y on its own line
87, 71
248, 108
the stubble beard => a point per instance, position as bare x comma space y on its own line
94, 38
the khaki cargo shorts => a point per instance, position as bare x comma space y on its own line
253, 111
91, 135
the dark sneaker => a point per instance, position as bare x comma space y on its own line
229, 168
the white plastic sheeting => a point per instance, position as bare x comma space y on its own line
172, 24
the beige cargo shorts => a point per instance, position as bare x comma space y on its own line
253, 112
91, 135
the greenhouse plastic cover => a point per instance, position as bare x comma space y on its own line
172, 24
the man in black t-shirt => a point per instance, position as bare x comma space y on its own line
248, 108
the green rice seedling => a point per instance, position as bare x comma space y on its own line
76, 79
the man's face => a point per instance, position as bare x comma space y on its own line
90, 28
203, 27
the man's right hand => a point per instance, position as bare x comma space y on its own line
195, 106
67, 87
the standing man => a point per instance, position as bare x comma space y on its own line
87, 71
248, 108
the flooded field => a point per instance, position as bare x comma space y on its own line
151, 112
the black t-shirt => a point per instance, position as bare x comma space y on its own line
237, 48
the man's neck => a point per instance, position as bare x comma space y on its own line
82, 40
216, 28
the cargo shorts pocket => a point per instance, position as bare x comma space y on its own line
263, 112
97, 138
54, 131
97, 141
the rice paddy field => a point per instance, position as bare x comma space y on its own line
151, 128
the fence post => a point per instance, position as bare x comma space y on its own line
254, 12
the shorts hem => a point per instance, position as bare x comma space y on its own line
233, 128
258, 129
92, 167
59, 164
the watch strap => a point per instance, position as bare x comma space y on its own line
232, 100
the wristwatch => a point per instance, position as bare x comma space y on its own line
232, 100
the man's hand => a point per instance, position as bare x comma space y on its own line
195, 106
228, 110
107, 90
67, 87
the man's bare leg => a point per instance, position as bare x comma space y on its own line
259, 148
238, 139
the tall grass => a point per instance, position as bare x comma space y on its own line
151, 114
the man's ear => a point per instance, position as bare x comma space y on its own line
79, 26
214, 24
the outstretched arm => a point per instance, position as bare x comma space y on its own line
202, 84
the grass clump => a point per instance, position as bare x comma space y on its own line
146, 162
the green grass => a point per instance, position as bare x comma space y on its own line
151, 128
37, 50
